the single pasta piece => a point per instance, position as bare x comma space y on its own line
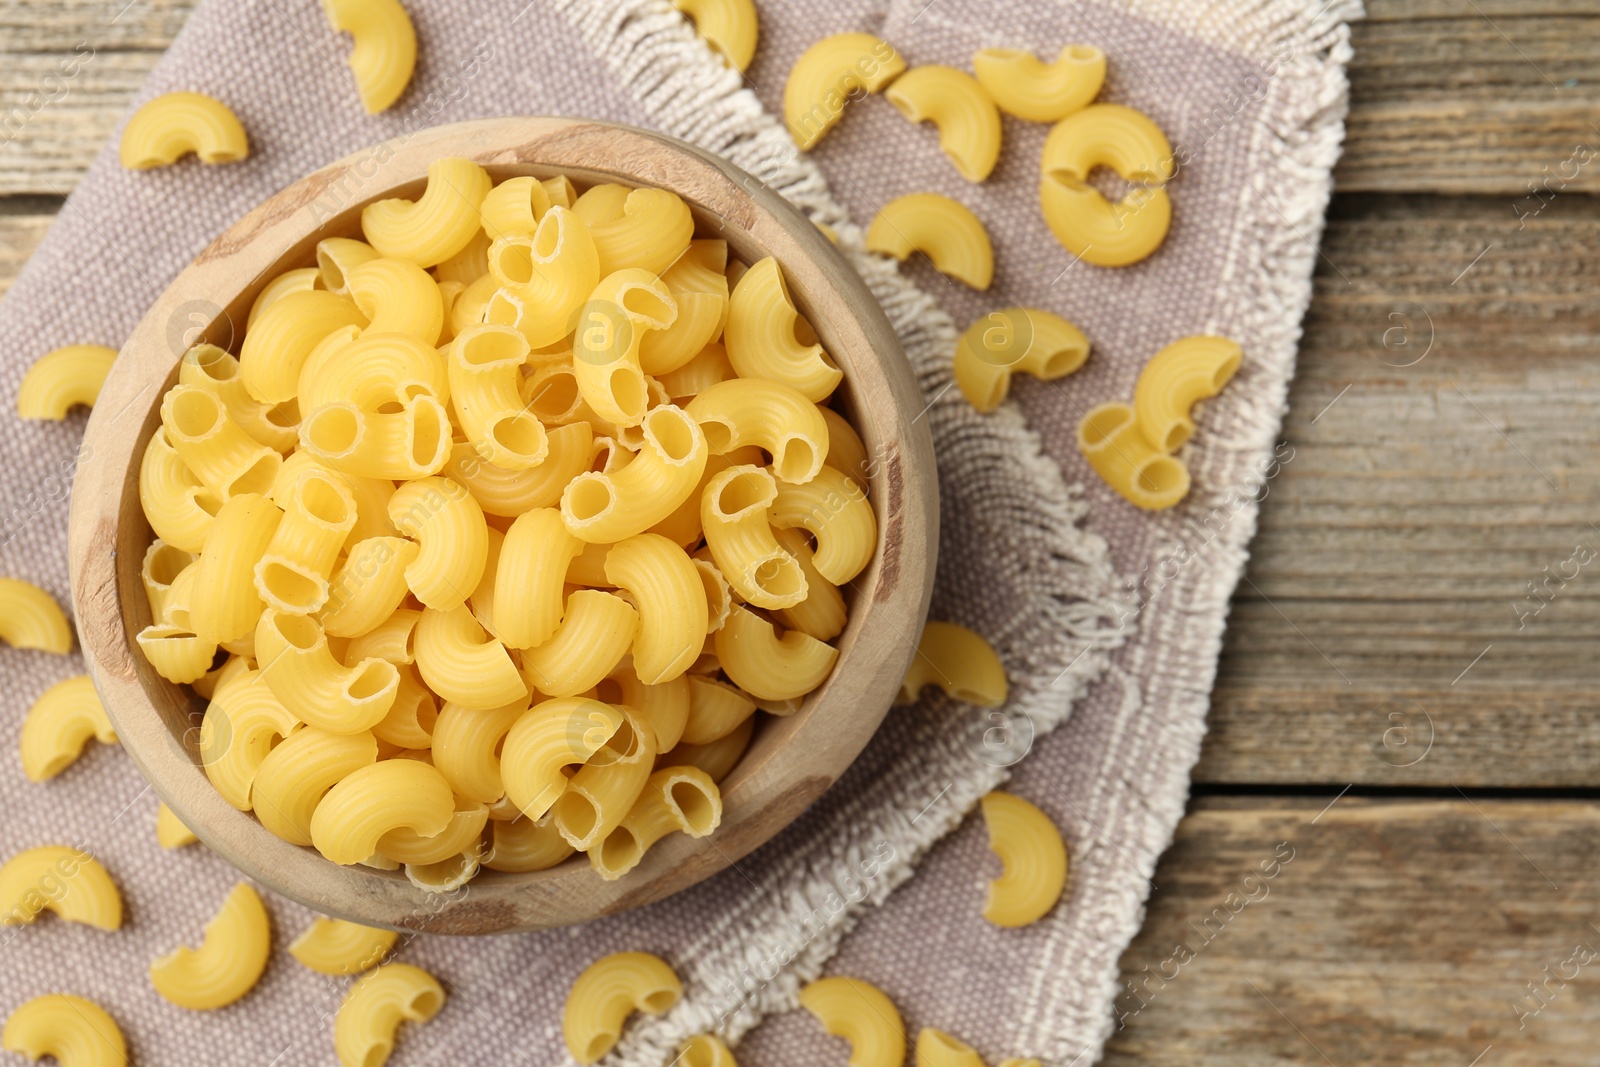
1033, 859
958, 661
707, 368
175, 124
299, 280
545, 740
1022, 84
69, 882
607, 507
944, 230
705, 1050
729, 27
163, 563
217, 370
837, 513
319, 511
276, 348
485, 364
935, 1048
179, 508
300, 669
59, 724
966, 116
861, 1014
437, 226
596, 632
611, 328
823, 613
674, 799
698, 282
605, 788
717, 758
466, 748
368, 587
413, 442
441, 516
526, 844
373, 371
608, 991
30, 618
170, 831
370, 1015
338, 947
464, 664
77, 1032
715, 710
397, 297
515, 206
670, 598
767, 666
1110, 439
228, 962
775, 417
337, 259
827, 74
462, 837
62, 379
1087, 224
375, 799
508, 493
385, 50
646, 228
1013, 340
298, 772
243, 723
528, 581
226, 459
736, 514
1176, 378
544, 279
394, 639
763, 336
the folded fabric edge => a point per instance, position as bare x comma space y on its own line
694, 96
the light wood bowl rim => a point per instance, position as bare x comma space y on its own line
791, 762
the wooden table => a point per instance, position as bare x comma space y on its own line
1397, 704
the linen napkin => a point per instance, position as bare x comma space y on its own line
1109, 619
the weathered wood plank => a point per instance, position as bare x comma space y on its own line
1446, 97
1399, 541
1401, 933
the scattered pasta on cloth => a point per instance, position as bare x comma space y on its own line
1106, 618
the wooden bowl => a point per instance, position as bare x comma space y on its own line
790, 761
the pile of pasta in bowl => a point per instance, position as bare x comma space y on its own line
504, 520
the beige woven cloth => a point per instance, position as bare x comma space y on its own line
1109, 619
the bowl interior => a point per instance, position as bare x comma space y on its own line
790, 760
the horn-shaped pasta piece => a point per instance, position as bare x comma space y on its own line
374, 371
958, 661
466, 748
413, 442
838, 514
385, 51
967, 119
303, 674
68, 882
276, 348
299, 280
944, 230
59, 724
674, 799
62, 379
664, 706
172, 125
823, 613
226, 459
729, 27
485, 367
767, 666
319, 512
1022, 84
299, 771
644, 228
229, 961
224, 604
170, 830
1110, 439
705, 1050
827, 74
863, 1015
596, 631
935, 1048
176, 653
735, 510
179, 508
163, 563
338, 258
698, 282
525, 844
77, 1032
30, 618
438, 225
1033, 858
669, 596
368, 587
241, 725
605, 788
716, 710
1087, 224
608, 991
611, 327
460, 837
375, 800
543, 279
1176, 378
441, 516
208, 367
528, 582
412, 717
464, 664
394, 639
338, 947
546, 739
1010, 341
509, 493
775, 417
515, 206
606, 507
764, 335
397, 297
370, 1015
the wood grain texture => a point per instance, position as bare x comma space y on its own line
1400, 932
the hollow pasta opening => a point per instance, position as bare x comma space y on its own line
1083, 53
589, 498
196, 413
719, 436
673, 432
321, 499
577, 814
373, 679
620, 850
503, 309
549, 236
429, 435
334, 430
520, 434
598, 1044
284, 416
695, 807
659, 1001
166, 563
744, 492
298, 630
213, 362
492, 346
258, 477
780, 576
647, 304
426, 1004
1059, 362
627, 388
1162, 474
292, 588
555, 396
377, 1054
1177, 434
794, 459
1102, 423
